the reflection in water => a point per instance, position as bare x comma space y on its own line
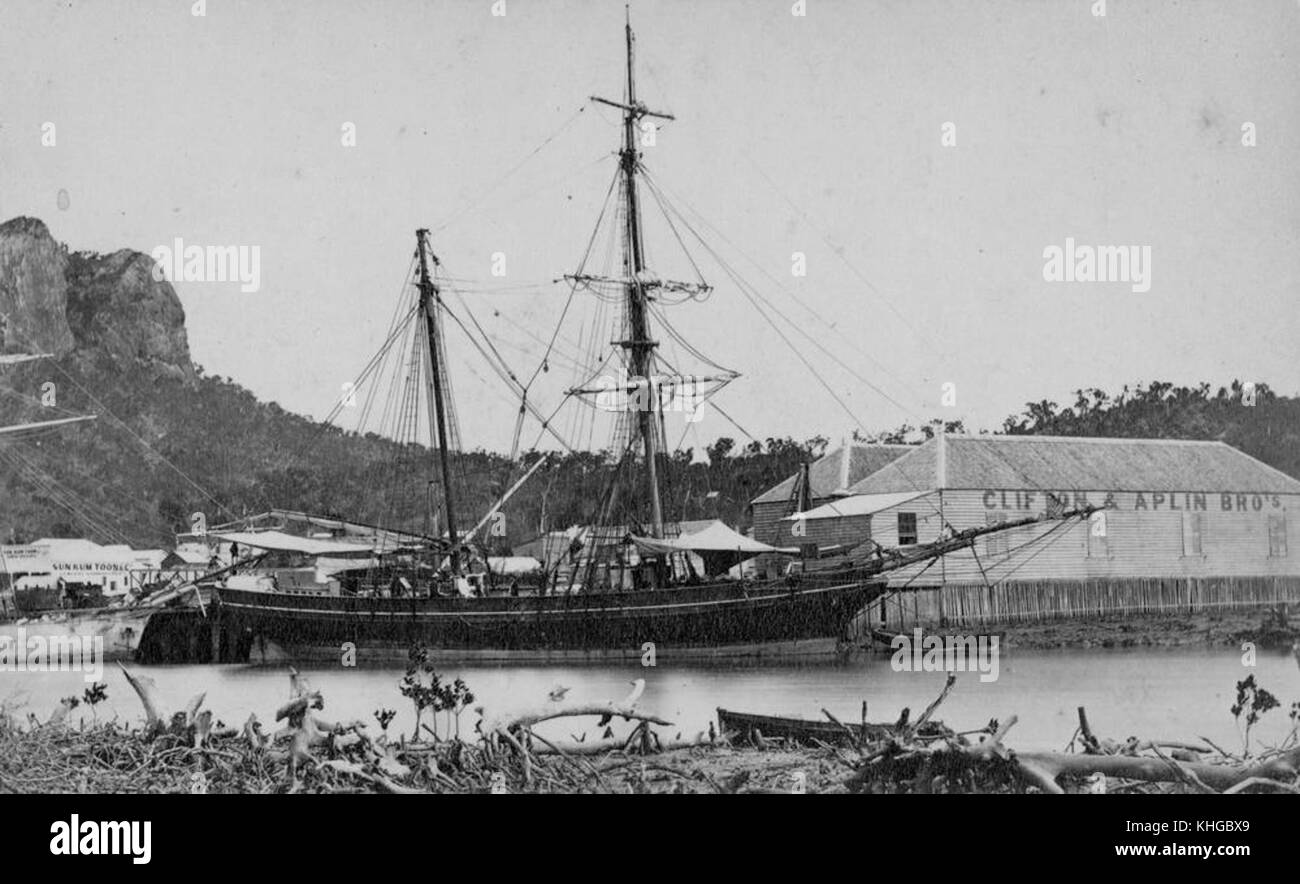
1173, 694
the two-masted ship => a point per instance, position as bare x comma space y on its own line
617, 592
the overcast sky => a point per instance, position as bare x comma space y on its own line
818, 134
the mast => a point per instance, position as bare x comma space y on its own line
437, 408
640, 346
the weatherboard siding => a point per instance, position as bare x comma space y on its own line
1143, 541
771, 528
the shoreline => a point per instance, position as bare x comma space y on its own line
193, 751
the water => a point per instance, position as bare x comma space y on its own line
1166, 693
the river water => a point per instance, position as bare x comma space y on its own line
1153, 693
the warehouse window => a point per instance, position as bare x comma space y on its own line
1277, 536
906, 529
1192, 534
1098, 536
997, 544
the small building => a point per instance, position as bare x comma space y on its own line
829, 479
1185, 525
98, 572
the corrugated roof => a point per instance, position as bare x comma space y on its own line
825, 473
1064, 463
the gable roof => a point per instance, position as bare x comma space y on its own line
825, 474
856, 505
1068, 463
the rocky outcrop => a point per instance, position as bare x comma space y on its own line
108, 307
117, 309
33, 290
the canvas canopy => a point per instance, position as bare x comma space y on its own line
281, 542
511, 565
391, 539
272, 522
331, 565
718, 545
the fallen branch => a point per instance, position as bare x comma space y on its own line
625, 708
1218, 777
929, 710
147, 690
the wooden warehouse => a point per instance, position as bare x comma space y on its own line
829, 478
1187, 526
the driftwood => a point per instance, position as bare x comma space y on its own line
929, 710
626, 708
617, 744
1044, 768
192, 707
147, 690
905, 762
383, 784
1090, 743
298, 706
190, 751
253, 733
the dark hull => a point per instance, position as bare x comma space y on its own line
809, 617
743, 727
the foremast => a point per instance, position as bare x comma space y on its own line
437, 407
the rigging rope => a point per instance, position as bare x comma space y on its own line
115, 419
839, 252
753, 296
515, 168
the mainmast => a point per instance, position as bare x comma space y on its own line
639, 345
437, 408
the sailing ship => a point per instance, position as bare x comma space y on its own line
626, 585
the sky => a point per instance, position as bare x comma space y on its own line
820, 134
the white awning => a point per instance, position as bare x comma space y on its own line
715, 537
334, 565
511, 565
719, 546
856, 505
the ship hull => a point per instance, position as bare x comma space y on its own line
717, 620
143, 635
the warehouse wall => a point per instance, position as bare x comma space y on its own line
1144, 536
769, 528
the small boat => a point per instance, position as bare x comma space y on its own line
798, 730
